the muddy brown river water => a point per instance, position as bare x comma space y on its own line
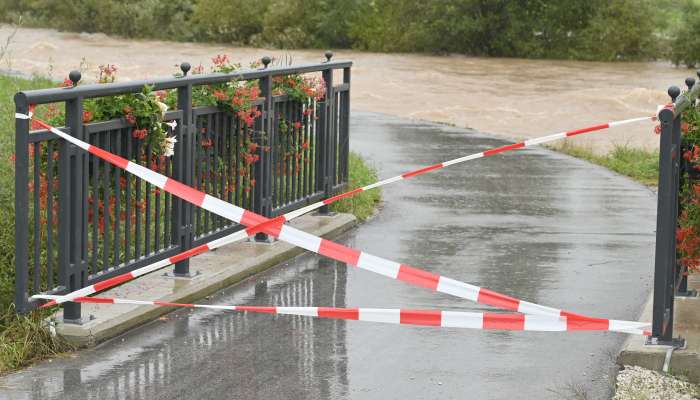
511, 98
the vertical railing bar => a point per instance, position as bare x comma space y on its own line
207, 154
127, 200
49, 214
138, 207
36, 278
157, 198
229, 164
118, 138
167, 233
95, 213
295, 148
288, 147
237, 160
106, 144
215, 219
147, 195
197, 171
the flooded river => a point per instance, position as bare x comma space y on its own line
512, 98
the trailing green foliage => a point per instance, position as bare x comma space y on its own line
577, 29
363, 204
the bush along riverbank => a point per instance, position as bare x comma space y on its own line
26, 338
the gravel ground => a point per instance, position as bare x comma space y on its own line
636, 383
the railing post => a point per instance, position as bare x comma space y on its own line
183, 171
327, 156
263, 168
75, 211
666, 224
21, 204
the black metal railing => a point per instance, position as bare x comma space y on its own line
80, 220
670, 278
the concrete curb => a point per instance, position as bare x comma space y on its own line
687, 324
215, 270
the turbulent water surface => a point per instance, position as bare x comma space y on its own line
508, 97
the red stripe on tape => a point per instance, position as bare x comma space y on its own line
48, 304
339, 252
342, 195
418, 277
421, 317
95, 300
504, 321
192, 195
497, 300
270, 310
569, 314
504, 148
340, 313
108, 283
589, 129
251, 219
109, 157
189, 253
272, 226
587, 324
422, 170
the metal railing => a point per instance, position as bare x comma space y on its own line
670, 278
79, 220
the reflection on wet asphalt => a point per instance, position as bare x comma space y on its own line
533, 224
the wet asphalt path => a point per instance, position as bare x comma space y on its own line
533, 224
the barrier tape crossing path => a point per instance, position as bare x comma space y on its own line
437, 318
241, 235
325, 247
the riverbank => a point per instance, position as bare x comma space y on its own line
511, 98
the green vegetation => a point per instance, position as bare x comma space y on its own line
577, 29
22, 338
362, 205
638, 164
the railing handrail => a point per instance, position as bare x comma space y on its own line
42, 96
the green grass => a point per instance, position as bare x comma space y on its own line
362, 205
23, 339
638, 164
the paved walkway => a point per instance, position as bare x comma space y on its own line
534, 224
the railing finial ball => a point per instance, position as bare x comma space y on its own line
75, 76
674, 92
690, 82
185, 68
266, 61
329, 55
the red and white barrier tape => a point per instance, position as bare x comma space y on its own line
294, 214
438, 318
330, 249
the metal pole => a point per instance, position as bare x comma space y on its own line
326, 122
21, 204
183, 171
666, 223
263, 169
76, 277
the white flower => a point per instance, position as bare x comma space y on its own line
172, 124
163, 108
169, 146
